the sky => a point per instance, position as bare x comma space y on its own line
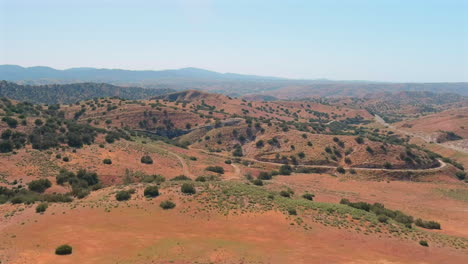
378, 40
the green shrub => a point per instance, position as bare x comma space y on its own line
167, 205
217, 169
359, 140
257, 182
341, 170
11, 122
382, 218
188, 188
181, 178
151, 191
123, 196
66, 159
39, 185
193, 158
42, 207
292, 211
259, 144
285, 170
461, 175
285, 194
387, 165
427, 224
423, 243
107, 161
6, 146
264, 176
201, 179
228, 161
308, 196
63, 250
156, 178
237, 151
146, 160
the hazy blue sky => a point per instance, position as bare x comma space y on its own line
408, 40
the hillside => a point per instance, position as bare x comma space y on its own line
262, 182
70, 93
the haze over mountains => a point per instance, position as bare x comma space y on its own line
226, 83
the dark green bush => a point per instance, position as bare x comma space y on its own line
167, 205
285, 170
308, 196
107, 161
217, 169
63, 250
39, 185
382, 218
423, 243
201, 179
461, 175
292, 211
341, 170
257, 182
151, 191
181, 178
427, 224
123, 196
264, 176
188, 188
285, 194
146, 160
42, 207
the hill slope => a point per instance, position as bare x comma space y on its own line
70, 93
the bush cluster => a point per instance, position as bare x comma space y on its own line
216, 169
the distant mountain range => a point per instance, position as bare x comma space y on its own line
18, 73
227, 83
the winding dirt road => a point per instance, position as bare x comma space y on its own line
185, 167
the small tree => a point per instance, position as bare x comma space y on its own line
63, 250
387, 165
107, 161
292, 211
188, 188
285, 194
151, 191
